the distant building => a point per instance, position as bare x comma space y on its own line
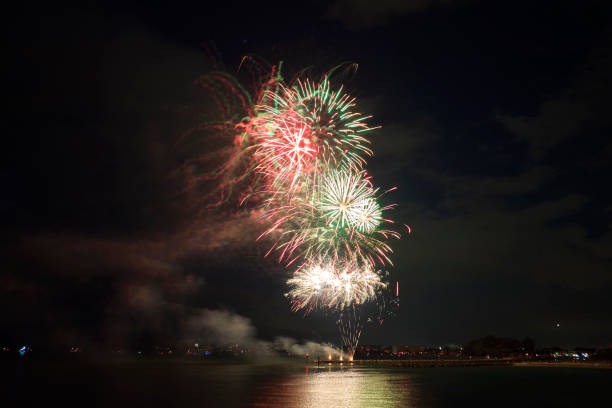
369, 350
407, 350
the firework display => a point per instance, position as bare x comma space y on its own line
333, 126
350, 325
303, 147
333, 284
343, 197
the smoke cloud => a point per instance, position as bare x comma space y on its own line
222, 327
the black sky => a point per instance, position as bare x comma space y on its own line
496, 129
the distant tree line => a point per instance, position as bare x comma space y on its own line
499, 346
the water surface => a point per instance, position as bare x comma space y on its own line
192, 384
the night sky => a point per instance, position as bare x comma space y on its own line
495, 127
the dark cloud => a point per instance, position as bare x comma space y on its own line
574, 111
499, 211
364, 13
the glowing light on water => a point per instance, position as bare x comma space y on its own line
344, 386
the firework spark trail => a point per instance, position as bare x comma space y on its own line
350, 326
344, 196
387, 302
336, 129
335, 215
292, 145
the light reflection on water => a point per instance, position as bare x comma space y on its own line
339, 387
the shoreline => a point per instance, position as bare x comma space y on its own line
468, 363
581, 364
